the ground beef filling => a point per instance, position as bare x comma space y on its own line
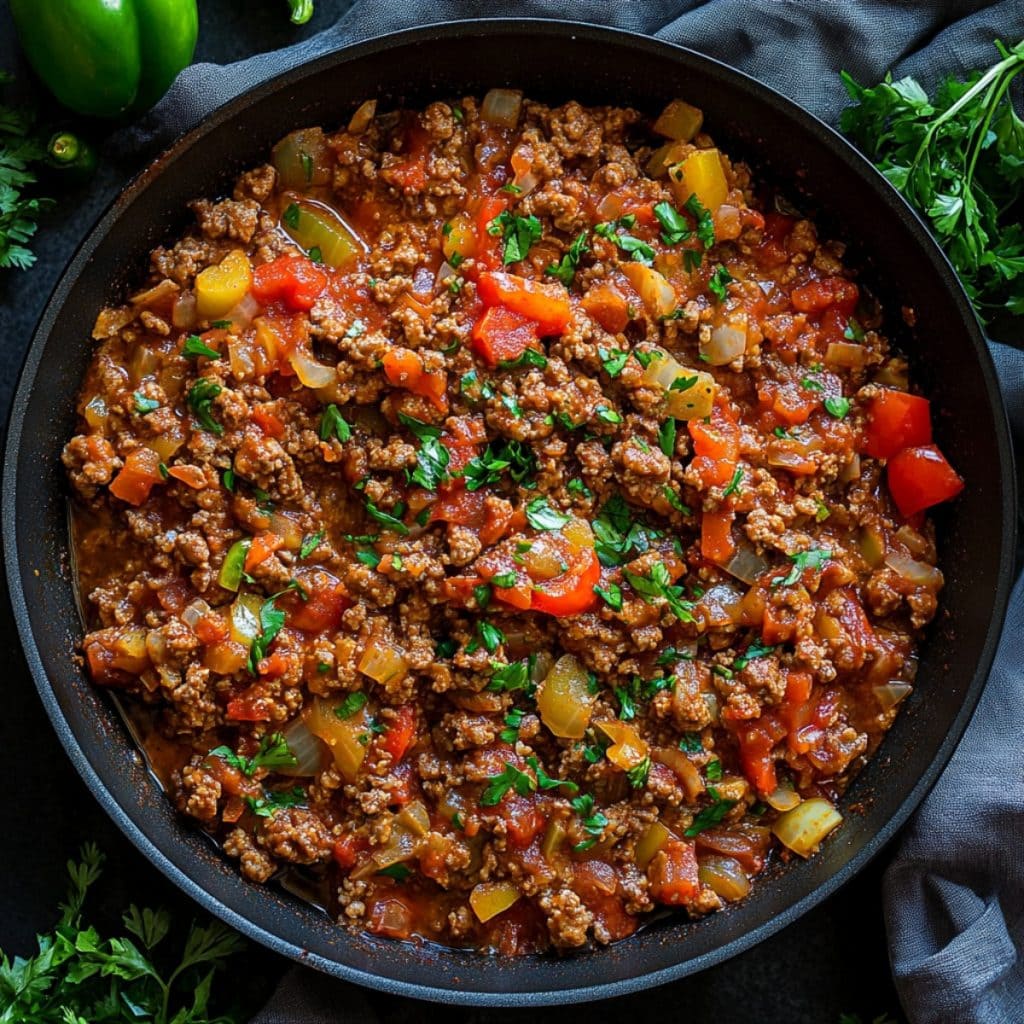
476, 506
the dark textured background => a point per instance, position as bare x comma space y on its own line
832, 961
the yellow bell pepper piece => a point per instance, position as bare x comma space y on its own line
459, 241
488, 899
220, 288
700, 175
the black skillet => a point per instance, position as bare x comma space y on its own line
555, 62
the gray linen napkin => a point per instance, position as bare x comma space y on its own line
955, 892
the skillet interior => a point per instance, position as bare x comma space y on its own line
553, 61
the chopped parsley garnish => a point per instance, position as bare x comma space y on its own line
639, 773
432, 460
565, 269
491, 636
510, 677
333, 424
541, 516
528, 357
352, 704
514, 456
513, 720
143, 404
273, 752
645, 357
810, 384
612, 595
275, 800
577, 486
675, 227
594, 822
386, 520
734, 484
667, 437
837, 406
674, 500
720, 277
658, 586
821, 512
613, 361
518, 234
705, 222
499, 785
399, 872
627, 706
710, 816
310, 543
370, 558
315, 253
714, 770
545, 781
781, 432
271, 623
670, 655
721, 670
505, 579
814, 558
200, 401
227, 478
853, 330
617, 537
510, 403
482, 596
606, 415
221, 324
195, 346
690, 743
510, 187
357, 329
757, 649
614, 231
290, 217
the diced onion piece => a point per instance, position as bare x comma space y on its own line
244, 313
96, 412
546, 557
658, 296
804, 827
311, 373
628, 749
302, 159
782, 798
414, 817
183, 313
720, 604
746, 564
564, 699
920, 574
541, 665
912, 540
578, 533
225, 658
891, 693
340, 734
686, 771
317, 225
193, 612
656, 836
502, 107
445, 273
522, 159
488, 899
872, 546
554, 836
846, 354
728, 223
244, 618
724, 876
361, 119
679, 121
162, 293
700, 174
307, 749
727, 342
851, 471
285, 527
383, 662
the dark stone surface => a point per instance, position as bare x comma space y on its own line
833, 961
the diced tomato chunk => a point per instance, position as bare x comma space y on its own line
921, 477
716, 543
267, 421
817, 296
716, 446
293, 280
673, 873
404, 369
322, 610
897, 420
140, 472
400, 734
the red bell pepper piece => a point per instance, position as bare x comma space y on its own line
716, 446
897, 420
140, 472
547, 304
716, 543
501, 334
921, 477
573, 591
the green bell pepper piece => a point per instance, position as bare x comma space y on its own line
233, 566
107, 57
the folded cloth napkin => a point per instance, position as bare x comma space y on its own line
954, 895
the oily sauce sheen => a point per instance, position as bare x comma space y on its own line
504, 516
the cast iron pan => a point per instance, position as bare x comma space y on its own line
556, 62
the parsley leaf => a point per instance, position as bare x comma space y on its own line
195, 346
271, 623
513, 720
667, 436
814, 558
516, 457
333, 424
635, 247
545, 781
353, 703
658, 586
612, 595
274, 800
837, 406
639, 773
705, 222
675, 227
528, 357
273, 752
594, 822
499, 785
757, 649
565, 269
386, 519
200, 401
541, 516
311, 543
143, 404
711, 815
720, 277
518, 234
734, 483
613, 361
510, 677
491, 636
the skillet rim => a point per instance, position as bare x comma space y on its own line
378, 46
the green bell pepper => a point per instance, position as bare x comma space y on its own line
233, 567
107, 57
